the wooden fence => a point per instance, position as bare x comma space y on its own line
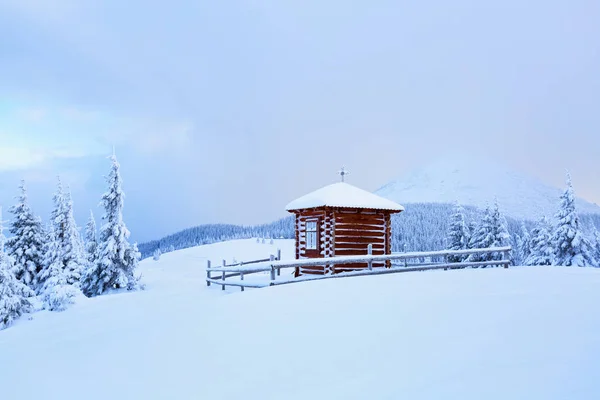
401, 262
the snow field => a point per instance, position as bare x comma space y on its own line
522, 333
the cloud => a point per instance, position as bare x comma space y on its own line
15, 158
25, 157
150, 136
74, 113
33, 114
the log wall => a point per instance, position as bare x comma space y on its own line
343, 232
355, 230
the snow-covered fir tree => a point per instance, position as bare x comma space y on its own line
571, 247
523, 241
491, 232
596, 249
67, 236
117, 259
157, 254
481, 236
15, 296
27, 242
55, 291
91, 240
540, 246
74, 256
471, 229
458, 234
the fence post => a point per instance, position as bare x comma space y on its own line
278, 259
370, 253
506, 257
223, 275
208, 273
272, 258
241, 276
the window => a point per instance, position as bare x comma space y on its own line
311, 235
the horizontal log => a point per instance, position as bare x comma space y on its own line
353, 267
313, 268
358, 246
313, 214
340, 240
359, 227
352, 229
346, 233
356, 252
359, 211
360, 220
312, 273
359, 215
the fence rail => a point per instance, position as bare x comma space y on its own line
274, 265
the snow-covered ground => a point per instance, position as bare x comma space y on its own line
522, 333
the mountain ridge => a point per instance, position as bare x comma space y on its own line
477, 183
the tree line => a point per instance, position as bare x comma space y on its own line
47, 267
422, 227
560, 242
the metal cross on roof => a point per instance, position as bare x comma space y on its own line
342, 172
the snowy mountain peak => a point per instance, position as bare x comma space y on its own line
477, 182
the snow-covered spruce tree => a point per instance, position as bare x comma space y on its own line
15, 296
74, 258
571, 248
458, 234
596, 248
55, 291
491, 232
541, 252
117, 259
471, 229
27, 242
91, 241
157, 254
523, 249
67, 235
481, 236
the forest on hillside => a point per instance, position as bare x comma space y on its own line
422, 227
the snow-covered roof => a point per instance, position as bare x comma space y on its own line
344, 195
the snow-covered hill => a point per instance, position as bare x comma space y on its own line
475, 182
521, 333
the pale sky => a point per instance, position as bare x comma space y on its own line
224, 111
